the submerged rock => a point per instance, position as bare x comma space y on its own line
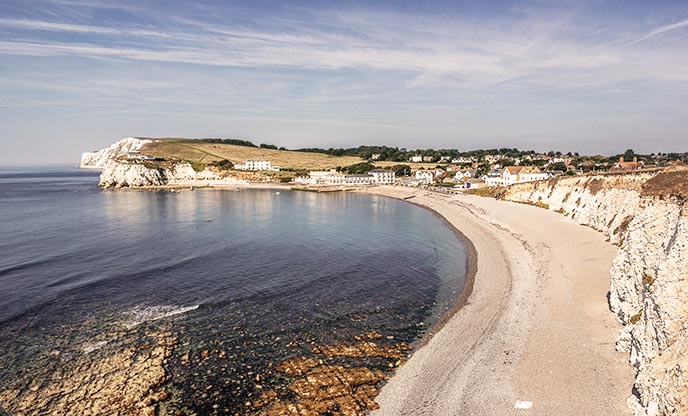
125, 382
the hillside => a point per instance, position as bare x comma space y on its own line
197, 151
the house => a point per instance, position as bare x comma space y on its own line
463, 160
493, 178
621, 165
375, 156
519, 174
416, 159
256, 165
425, 176
467, 174
382, 176
473, 183
427, 158
445, 158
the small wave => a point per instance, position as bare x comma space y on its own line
89, 348
141, 314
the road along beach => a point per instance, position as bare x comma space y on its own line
535, 336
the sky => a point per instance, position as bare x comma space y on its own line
596, 77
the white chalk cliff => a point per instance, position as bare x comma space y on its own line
98, 159
645, 214
133, 174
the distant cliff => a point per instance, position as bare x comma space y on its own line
97, 159
137, 174
119, 171
645, 214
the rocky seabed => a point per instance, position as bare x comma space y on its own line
649, 277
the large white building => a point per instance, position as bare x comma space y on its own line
515, 174
382, 176
518, 174
332, 177
256, 165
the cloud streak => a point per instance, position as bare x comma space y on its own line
495, 73
660, 30
489, 55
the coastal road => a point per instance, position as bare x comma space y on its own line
534, 337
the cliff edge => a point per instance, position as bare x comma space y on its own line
644, 214
98, 159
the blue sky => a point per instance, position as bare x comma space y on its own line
587, 76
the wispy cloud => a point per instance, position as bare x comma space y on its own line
385, 66
55, 27
660, 30
484, 56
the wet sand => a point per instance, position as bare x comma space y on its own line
534, 337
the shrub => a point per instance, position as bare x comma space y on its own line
198, 166
223, 164
635, 318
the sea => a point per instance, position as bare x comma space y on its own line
263, 275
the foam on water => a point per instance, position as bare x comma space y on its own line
89, 348
141, 314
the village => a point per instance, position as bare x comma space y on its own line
381, 165
460, 173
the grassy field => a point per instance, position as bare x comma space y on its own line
197, 151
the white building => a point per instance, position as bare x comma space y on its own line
256, 165
416, 159
519, 174
359, 179
461, 176
382, 176
493, 178
463, 160
425, 176
333, 178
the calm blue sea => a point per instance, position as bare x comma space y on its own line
287, 268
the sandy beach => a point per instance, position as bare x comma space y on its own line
535, 336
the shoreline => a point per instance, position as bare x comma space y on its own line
533, 336
469, 281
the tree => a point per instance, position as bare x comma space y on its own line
558, 166
629, 154
401, 170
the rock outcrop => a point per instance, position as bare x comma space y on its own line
119, 382
98, 159
645, 214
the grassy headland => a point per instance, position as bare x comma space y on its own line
207, 152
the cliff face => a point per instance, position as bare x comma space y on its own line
123, 174
644, 213
98, 159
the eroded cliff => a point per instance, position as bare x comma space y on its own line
98, 159
644, 213
144, 174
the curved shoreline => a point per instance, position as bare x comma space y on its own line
534, 336
469, 280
